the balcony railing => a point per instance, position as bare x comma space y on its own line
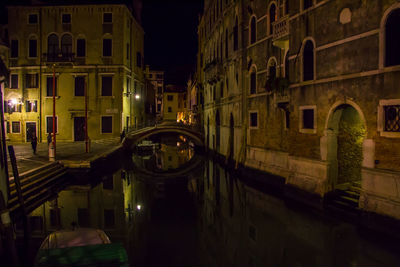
59, 57
280, 28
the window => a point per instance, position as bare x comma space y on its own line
236, 35
108, 183
31, 105
81, 48
49, 124
272, 18
107, 17
66, 18
308, 61
80, 86
66, 45
83, 217
253, 119
287, 70
14, 49
16, 127
392, 39
392, 118
32, 19
106, 85
49, 81
31, 80
159, 90
128, 51
170, 97
128, 84
106, 124
253, 30
253, 81
14, 81
307, 4
109, 219
107, 47
159, 76
52, 45
286, 7
308, 119
7, 125
32, 48
272, 69
158, 107
169, 109
138, 59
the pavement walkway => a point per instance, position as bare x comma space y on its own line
71, 151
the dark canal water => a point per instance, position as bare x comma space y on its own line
208, 216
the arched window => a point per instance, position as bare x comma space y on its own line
253, 30
66, 45
253, 80
272, 17
392, 39
308, 61
52, 45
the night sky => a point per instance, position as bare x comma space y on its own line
171, 37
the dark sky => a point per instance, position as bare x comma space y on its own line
171, 37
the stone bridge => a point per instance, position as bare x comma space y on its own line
134, 137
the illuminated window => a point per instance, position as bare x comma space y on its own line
49, 124
14, 49
308, 61
81, 48
49, 87
16, 127
32, 52
392, 39
80, 86
106, 124
253, 30
31, 80
107, 47
106, 85
14, 81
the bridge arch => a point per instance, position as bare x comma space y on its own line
133, 138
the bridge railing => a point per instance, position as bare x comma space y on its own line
147, 123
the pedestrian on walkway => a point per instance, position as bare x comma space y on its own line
49, 139
122, 136
34, 143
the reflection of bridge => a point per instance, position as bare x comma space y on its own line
135, 137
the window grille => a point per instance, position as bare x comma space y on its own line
392, 118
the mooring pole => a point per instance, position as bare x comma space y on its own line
21, 203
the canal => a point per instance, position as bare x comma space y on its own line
171, 207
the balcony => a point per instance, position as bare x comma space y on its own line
213, 71
280, 31
59, 57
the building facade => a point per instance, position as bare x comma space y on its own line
156, 78
175, 103
95, 54
314, 86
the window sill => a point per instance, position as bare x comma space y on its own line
390, 134
308, 131
50, 97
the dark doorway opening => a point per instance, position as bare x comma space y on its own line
79, 128
30, 130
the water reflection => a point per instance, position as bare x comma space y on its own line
209, 217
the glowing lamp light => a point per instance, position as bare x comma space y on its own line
137, 96
138, 207
14, 101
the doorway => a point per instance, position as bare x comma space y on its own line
79, 128
30, 130
347, 133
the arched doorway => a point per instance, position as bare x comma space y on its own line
346, 132
231, 138
217, 131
